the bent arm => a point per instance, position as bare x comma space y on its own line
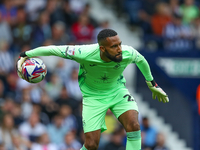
145, 69
143, 65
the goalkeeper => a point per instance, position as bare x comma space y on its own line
102, 84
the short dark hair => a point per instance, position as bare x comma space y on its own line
103, 34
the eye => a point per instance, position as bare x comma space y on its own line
114, 46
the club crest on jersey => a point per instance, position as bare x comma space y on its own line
79, 50
70, 50
117, 66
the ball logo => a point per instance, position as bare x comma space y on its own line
26, 74
29, 63
37, 71
34, 70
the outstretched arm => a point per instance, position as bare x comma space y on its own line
46, 51
40, 51
65, 51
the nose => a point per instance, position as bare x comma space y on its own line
119, 50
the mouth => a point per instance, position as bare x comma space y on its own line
119, 55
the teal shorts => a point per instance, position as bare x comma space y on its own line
94, 110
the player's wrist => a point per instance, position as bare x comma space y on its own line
23, 54
152, 83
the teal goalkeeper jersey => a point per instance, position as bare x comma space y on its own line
96, 77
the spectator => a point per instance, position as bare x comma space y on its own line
63, 69
70, 121
2, 92
8, 105
7, 130
64, 14
6, 58
78, 114
36, 91
18, 143
189, 10
86, 11
11, 84
116, 141
19, 3
161, 18
59, 36
2, 147
53, 87
33, 8
56, 130
73, 86
26, 104
32, 128
146, 13
52, 7
196, 31
44, 118
6, 34
149, 134
103, 25
198, 98
77, 6
48, 106
160, 142
43, 143
42, 30
70, 142
68, 14
177, 36
83, 30
149, 10
174, 6
132, 8
65, 99
22, 30
23, 85
17, 114
8, 12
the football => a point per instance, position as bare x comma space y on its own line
34, 70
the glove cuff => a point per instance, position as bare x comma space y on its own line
152, 83
23, 54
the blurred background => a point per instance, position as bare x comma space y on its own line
47, 115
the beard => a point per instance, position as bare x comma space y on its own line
113, 58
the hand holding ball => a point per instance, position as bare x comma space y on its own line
33, 70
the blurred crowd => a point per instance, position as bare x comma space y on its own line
167, 25
47, 115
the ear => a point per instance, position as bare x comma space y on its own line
102, 48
